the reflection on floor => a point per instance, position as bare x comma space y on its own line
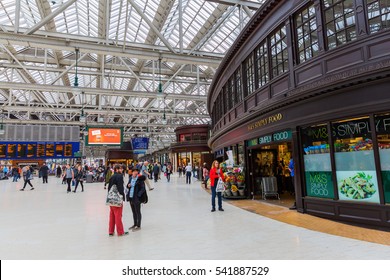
49, 223
279, 210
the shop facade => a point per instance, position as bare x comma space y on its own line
191, 146
306, 88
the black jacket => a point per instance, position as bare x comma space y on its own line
117, 179
138, 191
44, 170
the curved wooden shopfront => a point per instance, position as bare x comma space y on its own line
335, 103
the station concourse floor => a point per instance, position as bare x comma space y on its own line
49, 223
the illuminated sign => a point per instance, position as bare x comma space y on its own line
104, 136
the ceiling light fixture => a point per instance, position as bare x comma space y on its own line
2, 128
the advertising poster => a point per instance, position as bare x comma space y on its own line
318, 175
358, 186
104, 136
384, 155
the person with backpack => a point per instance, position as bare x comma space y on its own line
116, 212
136, 195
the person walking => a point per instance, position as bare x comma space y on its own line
108, 174
79, 177
188, 170
136, 188
145, 172
216, 174
156, 172
115, 220
27, 178
68, 176
205, 175
169, 172
292, 174
59, 171
44, 171
15, 174
179, 170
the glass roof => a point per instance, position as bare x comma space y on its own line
207, 26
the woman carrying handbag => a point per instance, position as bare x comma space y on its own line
115, 220
215, 175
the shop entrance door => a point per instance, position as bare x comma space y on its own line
263, 163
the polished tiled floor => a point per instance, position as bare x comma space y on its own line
48, 223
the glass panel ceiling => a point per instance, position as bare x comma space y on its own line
221, 24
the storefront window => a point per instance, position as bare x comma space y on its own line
355, 165
318, 169
279, 53
306, 33
185, 137
195, 160
199, 137
339, 22
241, 159
382, 124
250, 75
262, 64
378, 14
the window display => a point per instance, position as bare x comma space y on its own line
355, 164
318, 169
382, 123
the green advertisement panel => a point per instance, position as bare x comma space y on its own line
386, 185
319, 184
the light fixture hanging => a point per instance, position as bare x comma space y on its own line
160, 93
164, 120
76, 89
147, 124
82, 118
2, 128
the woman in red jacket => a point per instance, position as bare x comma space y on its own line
215, 174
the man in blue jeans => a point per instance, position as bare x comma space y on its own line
291, 168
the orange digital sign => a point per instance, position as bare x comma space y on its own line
104, 136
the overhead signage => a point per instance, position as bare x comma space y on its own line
139, 152
37, 150
265, 121
140, 143
284, 135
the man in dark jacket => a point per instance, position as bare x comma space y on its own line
156, 171
116, 212
136, 188
44, 171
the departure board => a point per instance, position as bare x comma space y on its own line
3, 150
68, 150
41, 150
11, 151
49, 150
22, 150
32, 150
59, 150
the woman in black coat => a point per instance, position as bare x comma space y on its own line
136, 189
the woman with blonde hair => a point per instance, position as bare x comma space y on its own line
216, 174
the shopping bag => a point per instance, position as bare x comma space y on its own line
114, 198
220, 186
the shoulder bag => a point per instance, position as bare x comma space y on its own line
113, 197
